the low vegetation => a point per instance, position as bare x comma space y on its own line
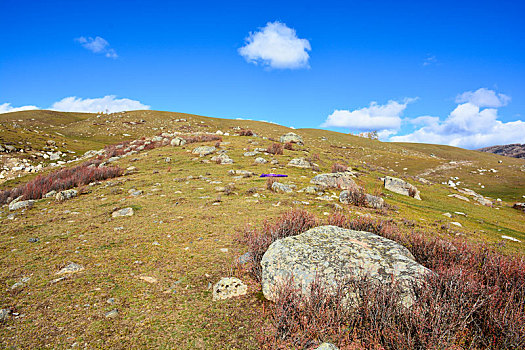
474, 299
275, 148
61, 180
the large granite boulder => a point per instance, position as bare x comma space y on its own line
402, 187
335, 254
292, 137
342, 180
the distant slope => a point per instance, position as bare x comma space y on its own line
515, 150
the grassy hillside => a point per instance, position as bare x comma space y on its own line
156, 266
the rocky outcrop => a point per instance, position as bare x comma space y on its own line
342, 180
292, 137
279, 187
178, 141
16, 205
67, 194
400, 186
515, 150
333, 254
222, 159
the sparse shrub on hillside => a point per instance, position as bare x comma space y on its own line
474, 299
288, 146
316, 157
201, 138
275, 148
337, 168
412, 192
291, 223
63, 179
246, 132
269, 183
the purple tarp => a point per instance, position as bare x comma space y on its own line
273, 175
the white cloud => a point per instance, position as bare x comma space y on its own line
97, 45
430, 59
424, 120
276, 46
483, 98
386, 119
6, 108
468, 126
109, 104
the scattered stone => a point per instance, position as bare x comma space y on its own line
64, 195
222, 159
110, 301
71, 268
251, 154
50, 194
204, 150
511, 238
463, 198
333, 253
456, 224
374, 201
167, 159
245, 258
224, 250
260, 160
300, 163
519, 206
402, 187
448, 215
4, 314
327, 346
229, 287
148, 279
292, 137
342, 180
310, 190
16, 205
112, 314
279, 187
178, 141
33, 240
244, 173
123, 212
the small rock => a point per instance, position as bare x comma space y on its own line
279, 187
21, 205
245, 258
148, 279
67, 194
511, 238
33, 240
448, 215
71, 268
178, 141
4, 313
300, 163
260, 160
229, 287
123, 212
327, 346
456, 224
112, 314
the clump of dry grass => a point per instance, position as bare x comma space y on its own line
245, 132
275, 148
337, 168
288, 146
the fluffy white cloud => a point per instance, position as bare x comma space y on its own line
468, 126
97, 45
276, 46
483, 98
109, 104
6, 108
424, 120
386, 119
430, 59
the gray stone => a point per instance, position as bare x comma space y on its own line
4, 314
292, 137
204, 150
310, 190
113, 159
245, 258
402, 187
229, 287
71, 268
67, 194
327, 346
279, 187
244, 173
260, 160
16, 205
222, 159
251, 154
334, 254
342, 180
50, 194
33, 240
300, 163
178, 141
112, 314
123, 212
374, 201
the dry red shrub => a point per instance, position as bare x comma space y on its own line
275, 148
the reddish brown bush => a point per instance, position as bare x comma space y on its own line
288, 146
269, 183
61, 180
337, 168
246, 132
275, 148
291, 223
474, 299
202, 138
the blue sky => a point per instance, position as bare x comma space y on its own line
443, 71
